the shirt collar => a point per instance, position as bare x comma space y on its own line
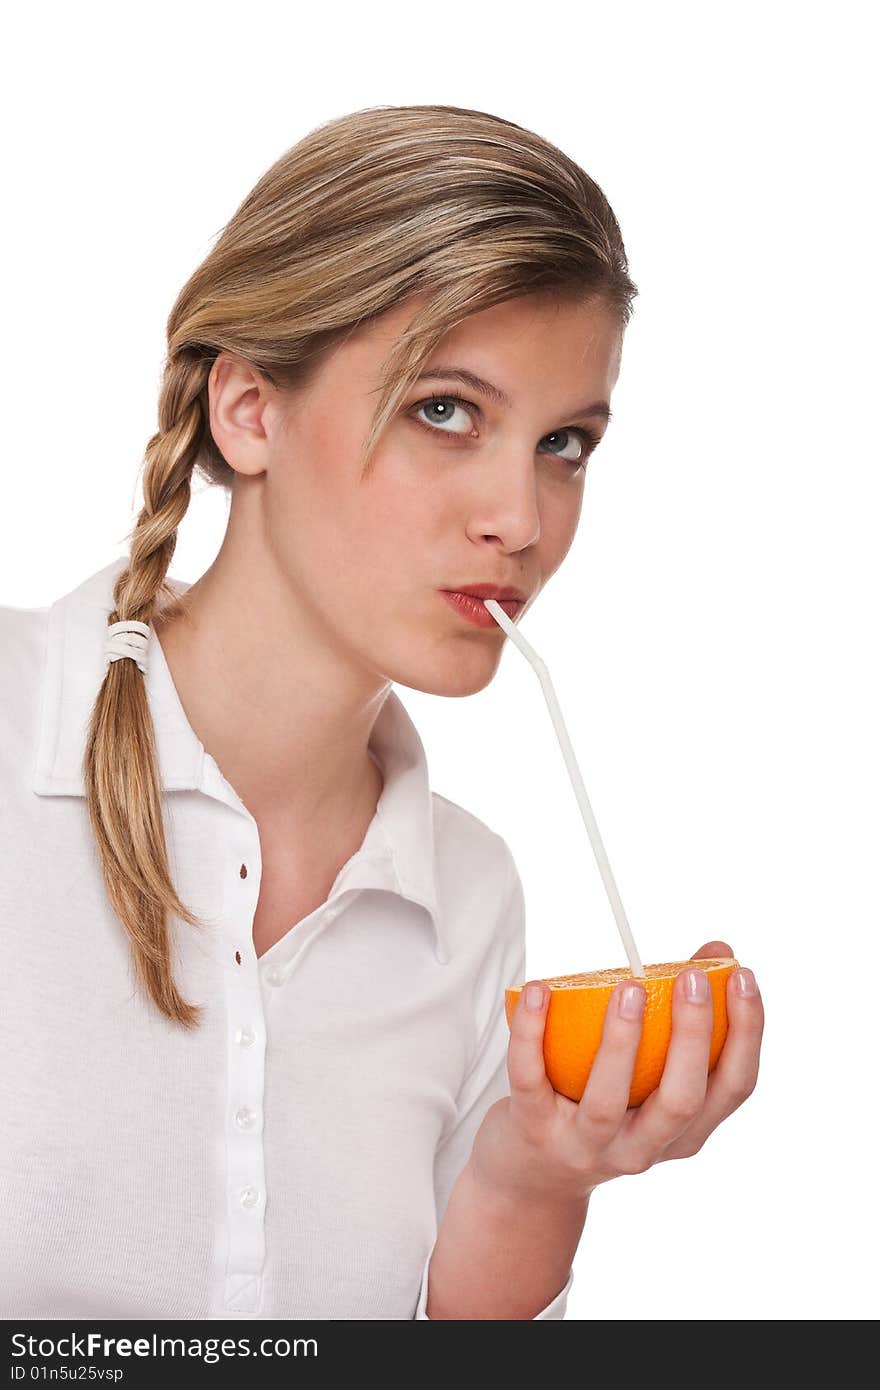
75, 665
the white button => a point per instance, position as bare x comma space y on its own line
245, 1117
275, 976
249, 1196
245, 1036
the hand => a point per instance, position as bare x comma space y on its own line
538, 1143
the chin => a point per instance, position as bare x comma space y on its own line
455, 678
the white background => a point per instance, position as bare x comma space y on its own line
712, 634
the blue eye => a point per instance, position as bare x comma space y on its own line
588, 439
443, 402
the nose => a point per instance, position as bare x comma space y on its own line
507, 509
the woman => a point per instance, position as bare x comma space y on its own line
285, 1094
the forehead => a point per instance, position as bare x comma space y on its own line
542, 338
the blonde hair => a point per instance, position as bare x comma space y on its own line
368, 209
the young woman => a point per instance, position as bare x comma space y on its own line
256, 1057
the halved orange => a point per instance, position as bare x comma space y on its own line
576, 1012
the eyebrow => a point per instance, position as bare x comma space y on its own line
494, 393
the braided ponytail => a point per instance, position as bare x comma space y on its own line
121, 777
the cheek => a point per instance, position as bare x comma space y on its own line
558, 530
354, 537
302, 515
310, 480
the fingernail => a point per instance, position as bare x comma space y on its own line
632, 1001
696, 986
746, 983
534, 996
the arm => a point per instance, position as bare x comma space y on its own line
496, 1257
489, 1259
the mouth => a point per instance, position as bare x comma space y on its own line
472, 608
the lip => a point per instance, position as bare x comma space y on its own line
489, 591
471, 607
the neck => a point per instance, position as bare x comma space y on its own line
286, 720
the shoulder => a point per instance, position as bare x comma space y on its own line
23, 635
461, 838
474, 865
481, 895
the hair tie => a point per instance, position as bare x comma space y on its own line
129, 638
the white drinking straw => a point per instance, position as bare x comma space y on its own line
577, 781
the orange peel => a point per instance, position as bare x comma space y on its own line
575, 1016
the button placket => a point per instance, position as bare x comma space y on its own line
246, 1046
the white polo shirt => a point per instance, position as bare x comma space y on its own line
292, 1157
